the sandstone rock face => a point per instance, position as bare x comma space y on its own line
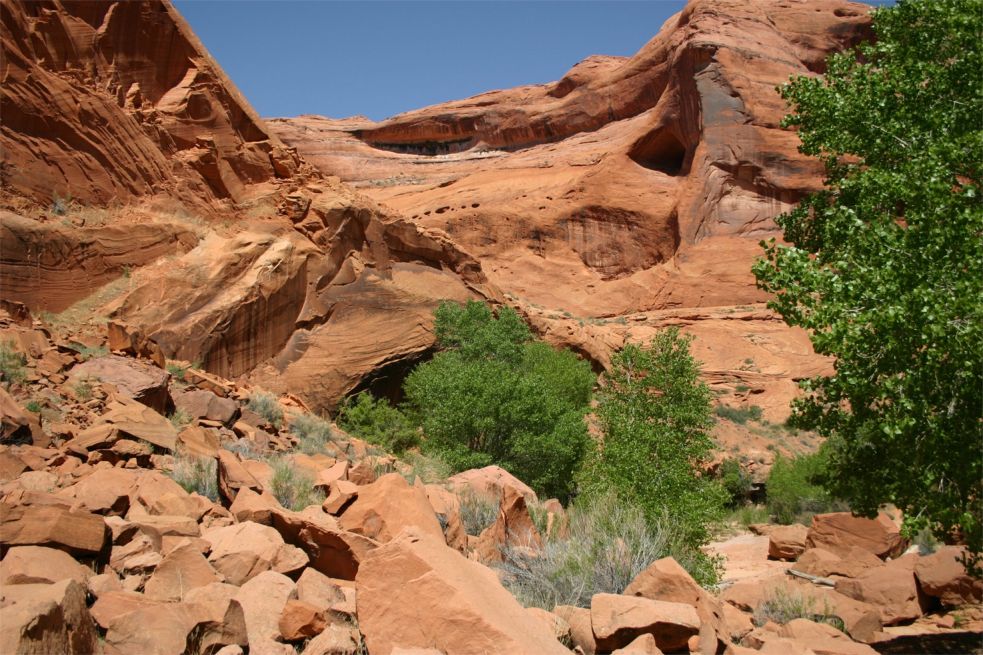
152, 111
627, 184
840, 531
407, 587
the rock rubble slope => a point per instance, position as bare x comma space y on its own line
102, 551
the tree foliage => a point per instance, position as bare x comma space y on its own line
378, 422
493, 395
655, 414
885, 266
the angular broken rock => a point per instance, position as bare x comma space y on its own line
513, 528
839, 532
141, 381
340, 494
205, 404
666, 580
301, 620
181, 570
408, 587
263, 599
156, 629
617, 620
104, 491
233, 476
581, 633
40, 565
643, 645
892, 588
489, 483
46, 618
787, 542
140, 422
242, 551
76, 532
382, 509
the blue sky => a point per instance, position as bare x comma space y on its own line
338, 59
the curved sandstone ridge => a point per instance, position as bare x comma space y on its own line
110, 101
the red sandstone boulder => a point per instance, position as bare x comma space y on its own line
513, 528
232, 476
892, 588
618, 620
382, 509
408, 587
263, 599
139, 422
300, 620
242, 551
489, 483
75, 532
15, 424
104, 491
823, 563
821, 638
205, 404
447, 506
942, 575
643, 645
666, 580
340, 494
156, 629
39, 565
46, 618
137, 379
581, 633
787, 542
182, 569
841, 531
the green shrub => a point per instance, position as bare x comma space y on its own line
292, 488
740, 415
196, 475
34, 407
495, 396
795, 490
608, 544
11, 364
176, 370
783, 605
736, 482
377, 422
477, 512
312, 432
266, 405
655, 416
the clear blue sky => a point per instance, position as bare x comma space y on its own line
338, 59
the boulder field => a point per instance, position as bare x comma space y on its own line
350, 552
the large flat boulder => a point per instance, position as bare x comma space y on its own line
140, 380
839, 532
409, 587
242, 551
75, 532
40, 565
892, 588
489, 483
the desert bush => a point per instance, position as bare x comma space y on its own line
429, 467
11, 364
609, 543
179, 418
34, 407
493, 395
736, 482
377, 422
782, 605
477, 512
312, 431
265, 404
196, 475
795, 490
740, 415
83, 388
292, 488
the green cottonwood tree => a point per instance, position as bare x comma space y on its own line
655, 415
885, 266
